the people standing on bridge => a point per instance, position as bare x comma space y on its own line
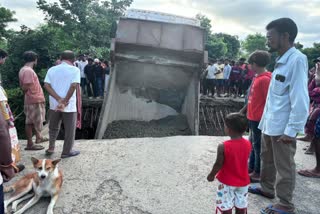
257, 97
89, 72
106, 73
219, 77
226, 75
63, 103
34, 101
6, 163
230, 167
284, 116
315, 172
81, 64
210, 78
98, 72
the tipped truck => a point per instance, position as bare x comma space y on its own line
156, 63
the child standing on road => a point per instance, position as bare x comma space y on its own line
231, 167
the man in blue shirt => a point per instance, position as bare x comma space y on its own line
284, 116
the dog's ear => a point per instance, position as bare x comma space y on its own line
34, 160
55, 162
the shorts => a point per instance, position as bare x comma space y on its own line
229, 197
35, 115
219, 82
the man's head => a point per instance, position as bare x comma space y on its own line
226, 61
90, 60
81, 57
259, 59
30, 56
281, 33
242, 61
3, 56
315, 61
96, 61
68, 56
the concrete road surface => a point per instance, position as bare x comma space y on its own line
153, 176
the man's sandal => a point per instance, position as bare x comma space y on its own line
272, 210
258, 191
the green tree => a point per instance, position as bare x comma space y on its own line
233, 45
298, 45
205, 22
90, 22
312, 53
216, 47
6, 16
254, 42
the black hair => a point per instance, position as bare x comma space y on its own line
261, 58
67, 55
236, 122
90, 59
284, 25
29, 56
3, 54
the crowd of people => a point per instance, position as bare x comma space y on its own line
224, 78
94, 75
276, 111
65, 106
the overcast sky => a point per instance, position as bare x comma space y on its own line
235, 17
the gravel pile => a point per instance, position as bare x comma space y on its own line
168, 126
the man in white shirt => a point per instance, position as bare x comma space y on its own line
61, 82
226, 75
210, 79
219, 77
284, 116
81, 63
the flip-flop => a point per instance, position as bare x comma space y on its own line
258, 191
308, 173
34, 148
71, 154
18, 168
271, 210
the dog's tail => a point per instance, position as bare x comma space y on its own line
8, 188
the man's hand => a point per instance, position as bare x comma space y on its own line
211, 177
62, 104
286, 139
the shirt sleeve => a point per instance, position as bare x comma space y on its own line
299, 98
77, 76
47, 78
27, 76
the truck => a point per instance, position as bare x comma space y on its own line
153, 89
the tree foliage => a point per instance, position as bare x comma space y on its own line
219, 45
90, 22
312, 53
254, 42
6, 16
205, 22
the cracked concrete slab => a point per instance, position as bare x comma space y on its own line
152, 176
